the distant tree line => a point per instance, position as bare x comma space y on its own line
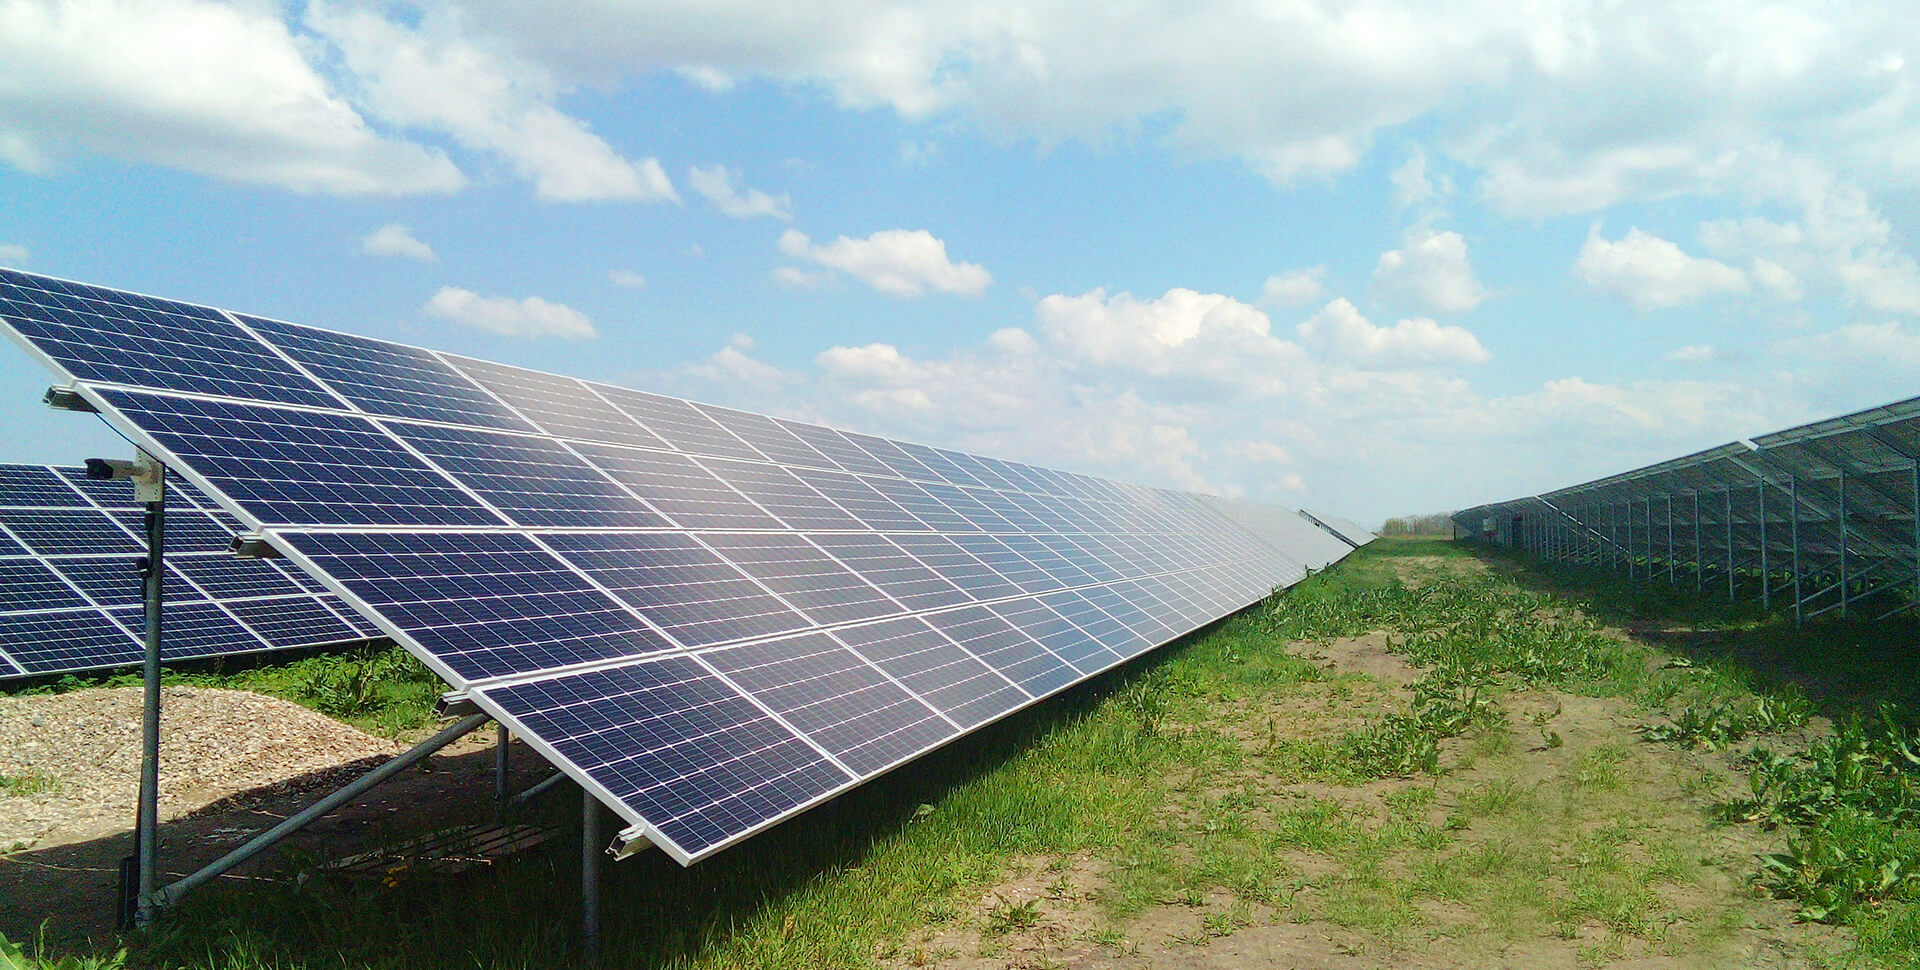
1430, 524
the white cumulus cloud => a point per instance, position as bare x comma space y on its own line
1694, 354
627, 278
719, 186
1294, 288
394, 239
1431, 272
1648, 271
431, 77
899, 262
529, 317
13, 254
1341, 328
223, 90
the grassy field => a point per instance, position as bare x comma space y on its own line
1418, 756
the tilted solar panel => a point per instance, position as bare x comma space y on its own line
710, 619
70, 588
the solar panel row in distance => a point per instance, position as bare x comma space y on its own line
70, 588
708, 618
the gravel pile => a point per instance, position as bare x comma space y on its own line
81, 750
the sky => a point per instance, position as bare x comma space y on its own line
1372, 257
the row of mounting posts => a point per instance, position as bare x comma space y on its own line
1865, 560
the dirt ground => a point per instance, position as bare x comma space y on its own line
235, 763
1717, 918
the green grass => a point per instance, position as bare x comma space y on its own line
383, 690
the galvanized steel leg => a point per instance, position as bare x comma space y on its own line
500, 793
590, 851
147, 820
1669, 538
1843, 543
1699, 580
1766, 574
1793, 535
1729, 544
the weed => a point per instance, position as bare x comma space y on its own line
1007, 916
33, 781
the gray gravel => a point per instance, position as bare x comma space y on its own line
84, 747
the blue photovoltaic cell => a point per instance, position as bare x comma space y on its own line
119, 338
873, 509
1068, 642
534, 481
775, 489
676, 485
688, 753
186, 530
562, 406
302, 467
292, 621
983, 518
836, 446
192, 630
228, 577
28, 485
956, 565
996, 642
899, 575
27, 584
115, 580
67, 532
1007, 563
1146, 633
1076, 609
486, 605
803, 576
893, 456
830, 695
70, 640
8, 547
1004, 507
387, 378
926, 508
679, 584
934, 667
678, 423
768, 437
1042, 555
943, 468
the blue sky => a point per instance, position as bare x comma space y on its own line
1375, 257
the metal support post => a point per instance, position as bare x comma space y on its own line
1793, 535
500, 793
1843, 543
1766, 573
1916, 529
1699, 580
1669, 538
1627, 551
590, 851
1649, 538
1729, 544
147, 823
254, 846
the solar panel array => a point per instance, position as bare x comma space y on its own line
71, 593
710, 619
1349, 531
1822, 515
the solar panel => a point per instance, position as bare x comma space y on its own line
710, 619
70, 589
